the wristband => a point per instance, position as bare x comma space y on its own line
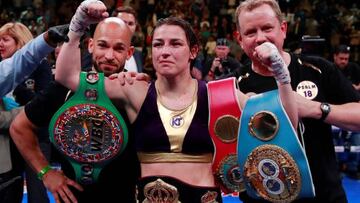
43, 171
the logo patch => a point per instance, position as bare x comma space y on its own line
307, 89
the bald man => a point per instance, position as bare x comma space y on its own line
110, 47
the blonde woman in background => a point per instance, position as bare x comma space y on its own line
13, 36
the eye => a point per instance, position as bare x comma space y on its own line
268, 29
250, 33
156, 44
101, 45
119, 48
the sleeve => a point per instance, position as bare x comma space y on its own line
13, 70
37, 82
45, 104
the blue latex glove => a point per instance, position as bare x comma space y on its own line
9, 103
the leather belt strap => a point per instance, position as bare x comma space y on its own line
223, 127
88, 129
274, 163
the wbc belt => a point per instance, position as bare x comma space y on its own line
274, 163
88, 129
223, 127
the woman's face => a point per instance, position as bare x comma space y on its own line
170, 51
8, 46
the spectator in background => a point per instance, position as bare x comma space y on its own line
128, 15
13, 36
221, 65
352, 72
349, 69
13, 70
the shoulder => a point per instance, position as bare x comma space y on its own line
313, 63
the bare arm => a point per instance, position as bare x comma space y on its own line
346, 116
68, 63
23, 133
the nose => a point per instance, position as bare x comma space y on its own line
260, 37
165, 51
109, 55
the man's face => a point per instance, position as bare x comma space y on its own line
129, 19
341, 60
258, 26
222, 51
110, 48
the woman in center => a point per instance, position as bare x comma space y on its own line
169, 116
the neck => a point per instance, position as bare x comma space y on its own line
175, 86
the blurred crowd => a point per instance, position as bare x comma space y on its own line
337, 22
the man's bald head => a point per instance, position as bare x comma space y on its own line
111, 45
114, 25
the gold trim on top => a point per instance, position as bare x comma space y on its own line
162, 157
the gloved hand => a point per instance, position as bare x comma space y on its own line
269, 52
9, 103
89, 12
58, 33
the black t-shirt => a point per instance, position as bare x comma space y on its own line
352, 72
321, 81
117, 179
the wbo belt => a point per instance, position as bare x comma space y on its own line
88, 129
223, 127
274, 163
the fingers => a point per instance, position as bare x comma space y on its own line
129, 77
69, 194
113, 76
75, 185
58, 184
56, 197
143, 77
63, 196
121, 78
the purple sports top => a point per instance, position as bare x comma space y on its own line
150, 134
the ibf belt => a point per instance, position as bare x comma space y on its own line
88, 129
223, 127
274, 163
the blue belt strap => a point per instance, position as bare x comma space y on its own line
285, 139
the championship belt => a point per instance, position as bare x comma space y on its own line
275, 166
223, 127
88, 129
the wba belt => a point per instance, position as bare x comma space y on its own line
223, 127
88, 129
274, 163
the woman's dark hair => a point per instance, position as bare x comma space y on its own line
189, 32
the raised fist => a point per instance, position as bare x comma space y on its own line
89, 12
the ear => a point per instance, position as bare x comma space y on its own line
283, 28
238, 38
130, 52
193, 52
91, 45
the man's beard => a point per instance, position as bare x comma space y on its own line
108, 73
